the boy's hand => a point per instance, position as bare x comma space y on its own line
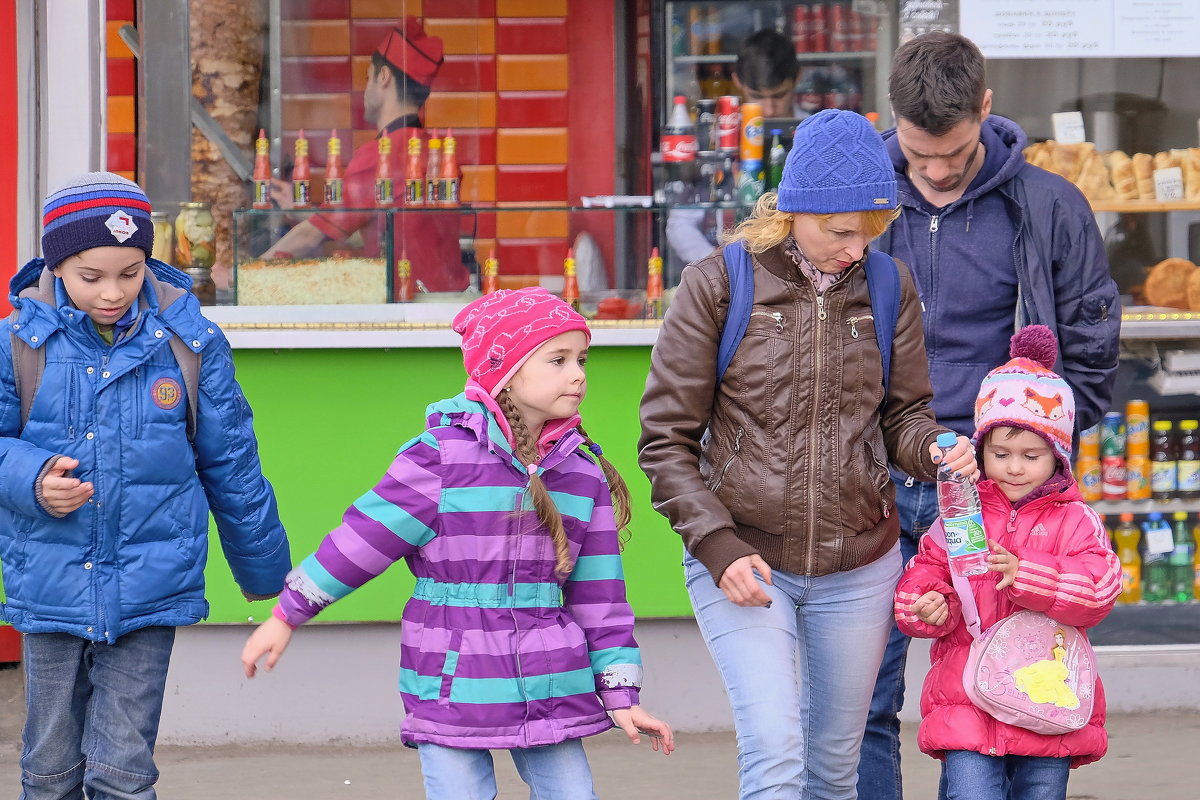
62, 492
635, 721
1005, 563
932, 609
960, 460
269, 639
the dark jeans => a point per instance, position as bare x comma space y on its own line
879, 764
974, 776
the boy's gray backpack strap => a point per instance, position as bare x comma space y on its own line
189, 365
28, 366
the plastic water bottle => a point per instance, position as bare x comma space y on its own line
962, 516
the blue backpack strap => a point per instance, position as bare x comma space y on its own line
741, 303
883, 283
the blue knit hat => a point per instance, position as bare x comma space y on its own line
97, 209
838, 164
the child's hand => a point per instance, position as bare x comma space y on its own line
960, 460
931, 608
62, 492
269, 639
634, 721
1005, 563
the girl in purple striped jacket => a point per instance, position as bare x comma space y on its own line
518, 635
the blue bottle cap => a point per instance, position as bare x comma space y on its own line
1154, 516
947, 439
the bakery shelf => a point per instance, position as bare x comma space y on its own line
1144, 206
1151, 322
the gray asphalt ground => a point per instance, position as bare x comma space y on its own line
1151, 757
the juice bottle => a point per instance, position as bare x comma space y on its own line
414, 174
333, 172
654, 286
404, 278
262, 171
384, 195
448, 176
301, 173
1163, 458
1187, 468
570, 294
1127, 537
433, 173
491, 273
1181, 560
1157, 543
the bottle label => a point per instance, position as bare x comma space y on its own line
965, 535
1188, 473
1162, 476
1158, 540
678, 147
333, 192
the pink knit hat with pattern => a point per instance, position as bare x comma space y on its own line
1027, 393
502, 329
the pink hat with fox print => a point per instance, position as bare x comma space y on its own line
501, 330
1027, 393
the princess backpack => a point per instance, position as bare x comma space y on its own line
1026, 669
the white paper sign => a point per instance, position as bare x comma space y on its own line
1158, 539
1168, 184
1068, 127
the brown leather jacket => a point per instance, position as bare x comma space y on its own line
796, 466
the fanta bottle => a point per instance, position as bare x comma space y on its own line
1127, 537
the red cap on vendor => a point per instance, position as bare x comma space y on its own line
407, 48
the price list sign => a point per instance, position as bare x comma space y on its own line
1082, 28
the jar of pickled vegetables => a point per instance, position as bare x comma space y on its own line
195, 236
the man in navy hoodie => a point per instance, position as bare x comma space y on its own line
994, 244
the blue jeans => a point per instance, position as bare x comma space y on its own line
974, 776
879, 768
92, 712
799, 673
554, 772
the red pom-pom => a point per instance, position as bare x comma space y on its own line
1035, 342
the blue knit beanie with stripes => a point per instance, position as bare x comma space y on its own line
838, 163
97, 209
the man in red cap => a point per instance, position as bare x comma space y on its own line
402, 70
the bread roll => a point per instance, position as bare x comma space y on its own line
1094, 181
1193, 291
1120, 168
1166, 160
1143, 172
1038, 154
1190, 163
1168, 281
1068, 159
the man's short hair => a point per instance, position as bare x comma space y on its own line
407, 89
938, 80
765, 60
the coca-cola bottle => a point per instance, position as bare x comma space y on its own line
678, 148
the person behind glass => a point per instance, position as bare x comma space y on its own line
765, 73
1049, 553
399, 77
786, 506
547, 577
107, 478
994, 243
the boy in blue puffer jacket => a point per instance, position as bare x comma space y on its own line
115, 443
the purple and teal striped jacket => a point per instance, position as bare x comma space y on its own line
496, 651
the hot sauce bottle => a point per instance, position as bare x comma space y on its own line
301, 172
448, 180
491, 273
262, 171
414, 175
383, 175
433, 173
404, 279
570, 294
654, 286
333, 172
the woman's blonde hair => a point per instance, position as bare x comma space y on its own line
767, 226
547, 512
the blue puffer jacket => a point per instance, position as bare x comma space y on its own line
134, 555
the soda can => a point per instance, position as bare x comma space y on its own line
1112, 435
1137, 428
1112, 477
729, 122
752, 132
802, 28
819, 36
1087, 475
839, 27
717, 181
706, 125
1089, 442
1137, 477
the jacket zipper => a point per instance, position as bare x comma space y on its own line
512, 590
814, 434
887, 511
737, 447
775, 315
855, 320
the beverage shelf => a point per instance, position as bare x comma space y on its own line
1112, 508
729, 58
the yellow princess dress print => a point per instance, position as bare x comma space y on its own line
1045, 681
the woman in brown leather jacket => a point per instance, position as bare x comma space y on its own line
785, 507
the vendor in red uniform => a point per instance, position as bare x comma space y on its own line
402, 69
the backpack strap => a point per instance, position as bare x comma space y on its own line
741, 303
883, 284
28, 365
189, 365
962, 586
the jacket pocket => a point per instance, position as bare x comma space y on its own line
1099, 309
724, 462
873, 501
132, 400
72, 408
862, 376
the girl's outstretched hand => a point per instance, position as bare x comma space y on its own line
1005, 563
960, 460
269, 639
635, 721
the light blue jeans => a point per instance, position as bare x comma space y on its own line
92, 712
974, 776
799, 674
554, 772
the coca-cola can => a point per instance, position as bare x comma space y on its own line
858, 32
819, 29
706, 125
839, 28
802, 28
729, 122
